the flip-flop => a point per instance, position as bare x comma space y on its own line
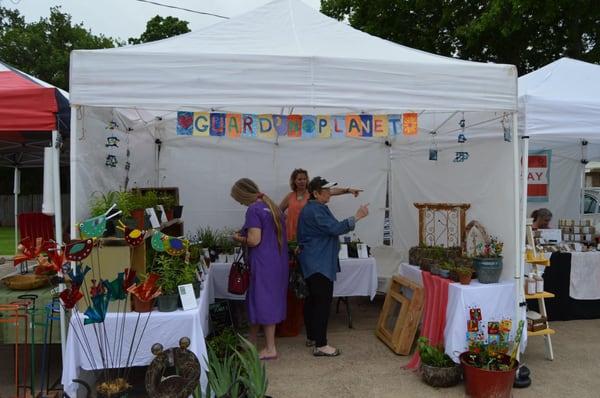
319, 353
269, 358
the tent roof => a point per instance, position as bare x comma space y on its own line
285, 53
561, 101
29, 110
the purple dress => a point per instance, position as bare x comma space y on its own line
266, 296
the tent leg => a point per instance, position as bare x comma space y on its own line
521, 200
17, 191
58, 229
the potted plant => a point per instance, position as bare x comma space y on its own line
488, 260
464, 274
444, 269
169, 202
225, 245
437, 368
169, 268
208, 239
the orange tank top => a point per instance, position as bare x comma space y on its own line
293, 213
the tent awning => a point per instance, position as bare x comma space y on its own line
286, 54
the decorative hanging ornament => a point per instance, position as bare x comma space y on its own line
111, 161
79, 249
175, 246
133, 236
112, 125
96, 226
157, 241
462, 155
433, 150
112, 141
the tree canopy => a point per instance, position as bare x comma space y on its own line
526, 33
42, 48
159, 28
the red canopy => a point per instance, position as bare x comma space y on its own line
25, 104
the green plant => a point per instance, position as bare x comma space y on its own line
168, 201
173, 272
207, 237
447, 265
433, 355
225, 343
254, 373
224, 241
223, 374
99, 204
463, 271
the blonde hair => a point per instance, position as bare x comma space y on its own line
293, 177
246, 192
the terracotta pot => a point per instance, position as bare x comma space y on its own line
481, 383
464, 279
138, 215
169, 214
142, 306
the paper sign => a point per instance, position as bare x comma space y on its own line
163, 214
188, 299
343, 254
538, 176
153, 218
362, 250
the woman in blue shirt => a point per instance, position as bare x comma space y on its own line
318, 240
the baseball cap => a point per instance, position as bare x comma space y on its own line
318, 183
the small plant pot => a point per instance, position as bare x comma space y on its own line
441, 377
482, 383
197, 288
488, 269
168, 303
177, 211
464, 279
142, 306
139, 216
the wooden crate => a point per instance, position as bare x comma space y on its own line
400, 315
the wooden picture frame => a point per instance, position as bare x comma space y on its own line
400, 315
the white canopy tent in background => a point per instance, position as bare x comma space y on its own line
286, 58
559, 109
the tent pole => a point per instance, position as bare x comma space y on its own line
17, 191
521, 171
584, 162
58, 229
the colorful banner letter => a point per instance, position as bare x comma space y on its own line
323, 126
201, 124
410, 124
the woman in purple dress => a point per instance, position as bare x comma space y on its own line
264, 234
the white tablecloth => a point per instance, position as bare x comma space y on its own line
585, 276
496, 301
165, 328
358, 277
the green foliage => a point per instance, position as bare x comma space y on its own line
42, 48
173, 272
224, 242
432, 355
491, 249
463, 271
207, 237
225, 343
159, 28
101, 202
237, 371
526, 33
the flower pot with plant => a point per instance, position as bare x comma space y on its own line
488, 261
169, 269
437, 368
464, 274
444, 269
225, 245
208, 239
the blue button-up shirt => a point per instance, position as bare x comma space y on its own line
318, 238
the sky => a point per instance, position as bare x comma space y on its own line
123, 19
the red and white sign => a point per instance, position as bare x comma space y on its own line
538, 176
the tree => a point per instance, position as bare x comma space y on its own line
42, 48
159, 28
526, 33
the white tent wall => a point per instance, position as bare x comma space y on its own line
89, 174
485, 181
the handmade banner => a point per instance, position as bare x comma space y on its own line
236, 125
538, 176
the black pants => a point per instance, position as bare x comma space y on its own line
316, 308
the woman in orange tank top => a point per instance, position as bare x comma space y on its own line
295, 200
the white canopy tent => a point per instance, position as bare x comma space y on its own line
287, 58
559, 110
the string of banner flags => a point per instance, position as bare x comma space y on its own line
236, 125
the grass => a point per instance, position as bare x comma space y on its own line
7, 241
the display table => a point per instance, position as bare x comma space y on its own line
165, 328
358, 277
445, 318
558, 279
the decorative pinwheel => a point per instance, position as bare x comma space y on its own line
96, 313
78, 274
28, 250
147, 290
115, 288
70, 296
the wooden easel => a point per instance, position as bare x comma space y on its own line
399, 334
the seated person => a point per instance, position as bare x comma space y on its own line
541, 218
